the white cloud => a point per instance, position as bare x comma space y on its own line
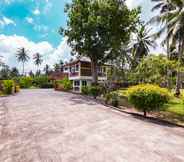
36, 11
41, 28
6, 21
7, 1
29, 20
133, 3
50, 54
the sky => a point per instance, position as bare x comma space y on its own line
34, 24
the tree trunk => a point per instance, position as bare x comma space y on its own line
23, 69
168, 57
178, 79
145, 113
94, 71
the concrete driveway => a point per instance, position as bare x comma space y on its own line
49, 126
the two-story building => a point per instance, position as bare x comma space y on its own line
80, 73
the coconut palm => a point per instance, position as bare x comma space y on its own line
142, 44
173, 20
1, 61
38, 60
46, 69
22, 56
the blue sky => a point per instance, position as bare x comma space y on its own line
37, 20
34, 24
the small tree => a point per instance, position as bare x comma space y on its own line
147, 97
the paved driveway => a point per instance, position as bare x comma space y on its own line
48, 126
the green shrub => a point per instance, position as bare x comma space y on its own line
115, 99
147, 97
107, 97
47, 85
25, 82
95, 91
85, 90
8, 87
64, 84
67, 84
112, 98
40, 81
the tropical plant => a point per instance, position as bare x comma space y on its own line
5, 72
37, 60
173, 18
46, 69
14, 72
153, 69
22, 56
98, 29
143, 42
8, 86
25, 82
147, 97
85, 90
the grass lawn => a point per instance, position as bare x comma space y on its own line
173, 111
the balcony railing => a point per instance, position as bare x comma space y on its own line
74, 74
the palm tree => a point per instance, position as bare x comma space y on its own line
164, 6
46, 69
174, 26
1, 61
22, 56
142, 44
38, 60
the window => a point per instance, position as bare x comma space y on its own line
76, 83
84, 83
104, 69
77, 68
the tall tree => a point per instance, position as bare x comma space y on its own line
56, 67
175, 26
98, 29
22, 56
1, 61
14, 72
5, 72
164, 7
46, 69
37, 60
142, 45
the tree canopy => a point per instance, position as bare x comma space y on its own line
98, 29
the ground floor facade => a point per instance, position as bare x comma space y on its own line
79, 82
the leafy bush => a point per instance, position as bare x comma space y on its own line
25, 82
147, 97
8, 86
41, 81
47, 85
67, 84
115, 99
112, 98
85, 90
64, 84
95, 91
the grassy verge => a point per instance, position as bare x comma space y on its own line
173, 111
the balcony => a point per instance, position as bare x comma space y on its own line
73, 74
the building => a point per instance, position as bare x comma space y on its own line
80, 73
